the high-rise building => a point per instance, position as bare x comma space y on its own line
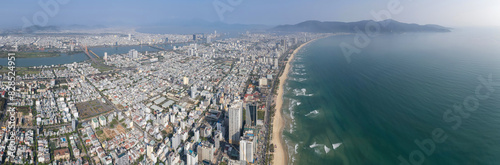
235, 121
105, 56
192, 158
176, 141
194, 37
263, 82
247, 147
251, 114
205, 152
191, 52
186, 81
193, 91
129, 37
149, 149
74, 124
217, 139
133, 54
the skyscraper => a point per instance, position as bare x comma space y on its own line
105, 56
74, 124
133, 54
235, 121
251, 114
193, 91
247, 147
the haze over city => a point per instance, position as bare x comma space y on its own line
450, 13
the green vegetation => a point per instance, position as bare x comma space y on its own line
30, 54
139, 160
24, 109
101, 67
244, 113
113, 123
20, 70
72, 156
260, 115
99, 132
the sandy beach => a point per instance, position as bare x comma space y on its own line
280, 155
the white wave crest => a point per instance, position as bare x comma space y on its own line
314, 145
312, 113
301, 92
327, 149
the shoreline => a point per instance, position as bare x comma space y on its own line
278, 121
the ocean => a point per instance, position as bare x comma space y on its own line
414, 98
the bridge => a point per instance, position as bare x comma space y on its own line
94, 54
86, 51
156, 47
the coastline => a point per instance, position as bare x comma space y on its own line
280, 156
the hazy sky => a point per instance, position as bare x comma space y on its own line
452, 13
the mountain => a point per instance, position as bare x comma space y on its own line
386, 26
36, 28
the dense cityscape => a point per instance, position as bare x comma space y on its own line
209, 101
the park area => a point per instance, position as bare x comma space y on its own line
92, 108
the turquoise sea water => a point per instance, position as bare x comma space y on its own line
398, 90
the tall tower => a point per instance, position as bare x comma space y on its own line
235, 121
193, 91
105, 56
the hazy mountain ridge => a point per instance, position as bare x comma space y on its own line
386, 26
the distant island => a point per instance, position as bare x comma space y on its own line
386, 26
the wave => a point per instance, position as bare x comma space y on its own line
301, 92
299, 80
292, 151
327, 149
317, 148
312, 113
299, 66
291, 106
300, 74
314, 145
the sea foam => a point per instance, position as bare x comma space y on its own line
312, 113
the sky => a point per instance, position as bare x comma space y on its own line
451, 13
